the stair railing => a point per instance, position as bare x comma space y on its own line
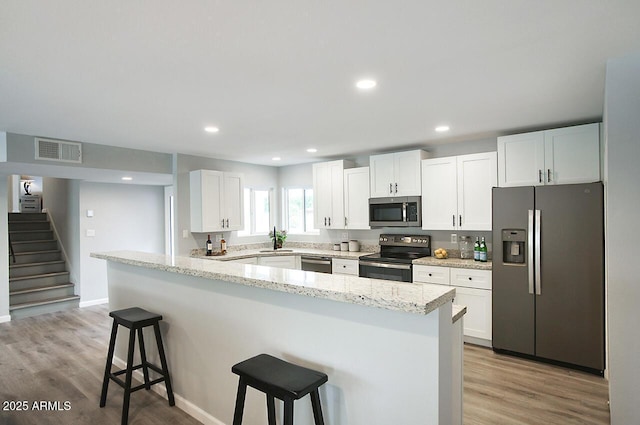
11, 252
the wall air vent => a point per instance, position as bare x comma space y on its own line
57, 150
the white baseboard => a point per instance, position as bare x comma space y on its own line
84, 304
5, 319
181, 403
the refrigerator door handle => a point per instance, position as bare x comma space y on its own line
537, 254
530, 251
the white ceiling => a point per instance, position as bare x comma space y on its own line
278, 76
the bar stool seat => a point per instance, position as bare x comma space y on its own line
135, 319
278, 379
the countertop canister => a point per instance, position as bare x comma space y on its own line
354, 245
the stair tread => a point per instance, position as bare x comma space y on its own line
37, 276
30, 231
41, 288
49, 251
33, 241
43, 302
41, 263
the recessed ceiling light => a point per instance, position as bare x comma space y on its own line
442, 128
276, 158
366, 84
127, 179
312, 150
211, 129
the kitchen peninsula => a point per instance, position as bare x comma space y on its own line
391, 349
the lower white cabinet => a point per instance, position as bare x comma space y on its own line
473, 290
477, 321
248, 260
282, 261
344, 266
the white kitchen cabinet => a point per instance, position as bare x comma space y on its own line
328, 194
431, 274
559, 156
281, 261
396, 174
477, 321
470, 278
216, 201
356, 198
248, 260
456, 192
473, 290
344, 266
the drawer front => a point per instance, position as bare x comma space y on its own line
249, 260
342, 266
285, 261
470, 278
431, 274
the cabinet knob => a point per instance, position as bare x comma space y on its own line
469, 278
390, 188
429, 274
396, 187
548, 175
539, 176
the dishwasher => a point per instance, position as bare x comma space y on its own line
316, 264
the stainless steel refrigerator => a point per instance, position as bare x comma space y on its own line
548, 273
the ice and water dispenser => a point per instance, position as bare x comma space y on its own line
513, 246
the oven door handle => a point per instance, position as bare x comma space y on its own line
386, 265
404, 211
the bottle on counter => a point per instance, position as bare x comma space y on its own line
223, 245
483, 251
209, 246
476, 250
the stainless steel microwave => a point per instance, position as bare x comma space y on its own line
401, 211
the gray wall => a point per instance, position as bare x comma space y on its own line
4, 251
126, 217
57, 199
255, 176
21, 149
622, 174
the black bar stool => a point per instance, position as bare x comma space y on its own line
135, 319
278, 379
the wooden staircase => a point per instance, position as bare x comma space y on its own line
38, 279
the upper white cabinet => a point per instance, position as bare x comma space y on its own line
215, 200
559, 156
456, 192
328, 194
396, 174
356, 198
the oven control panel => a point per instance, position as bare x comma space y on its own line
405, 240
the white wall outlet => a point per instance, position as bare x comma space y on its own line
345, 236
91, 233
218, 238
454, 238
89, 213
185, 233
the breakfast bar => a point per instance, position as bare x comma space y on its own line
390, 349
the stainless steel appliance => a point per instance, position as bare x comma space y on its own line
548, 273
402, 211
316, 264
394, 261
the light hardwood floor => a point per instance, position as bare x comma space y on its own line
60, 357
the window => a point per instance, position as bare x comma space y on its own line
257, 212
298, 211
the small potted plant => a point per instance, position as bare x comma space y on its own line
281, 236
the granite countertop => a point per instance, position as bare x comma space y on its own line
457, 312
265, 252
453, 262
399, 296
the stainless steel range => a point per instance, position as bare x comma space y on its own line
394, 261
